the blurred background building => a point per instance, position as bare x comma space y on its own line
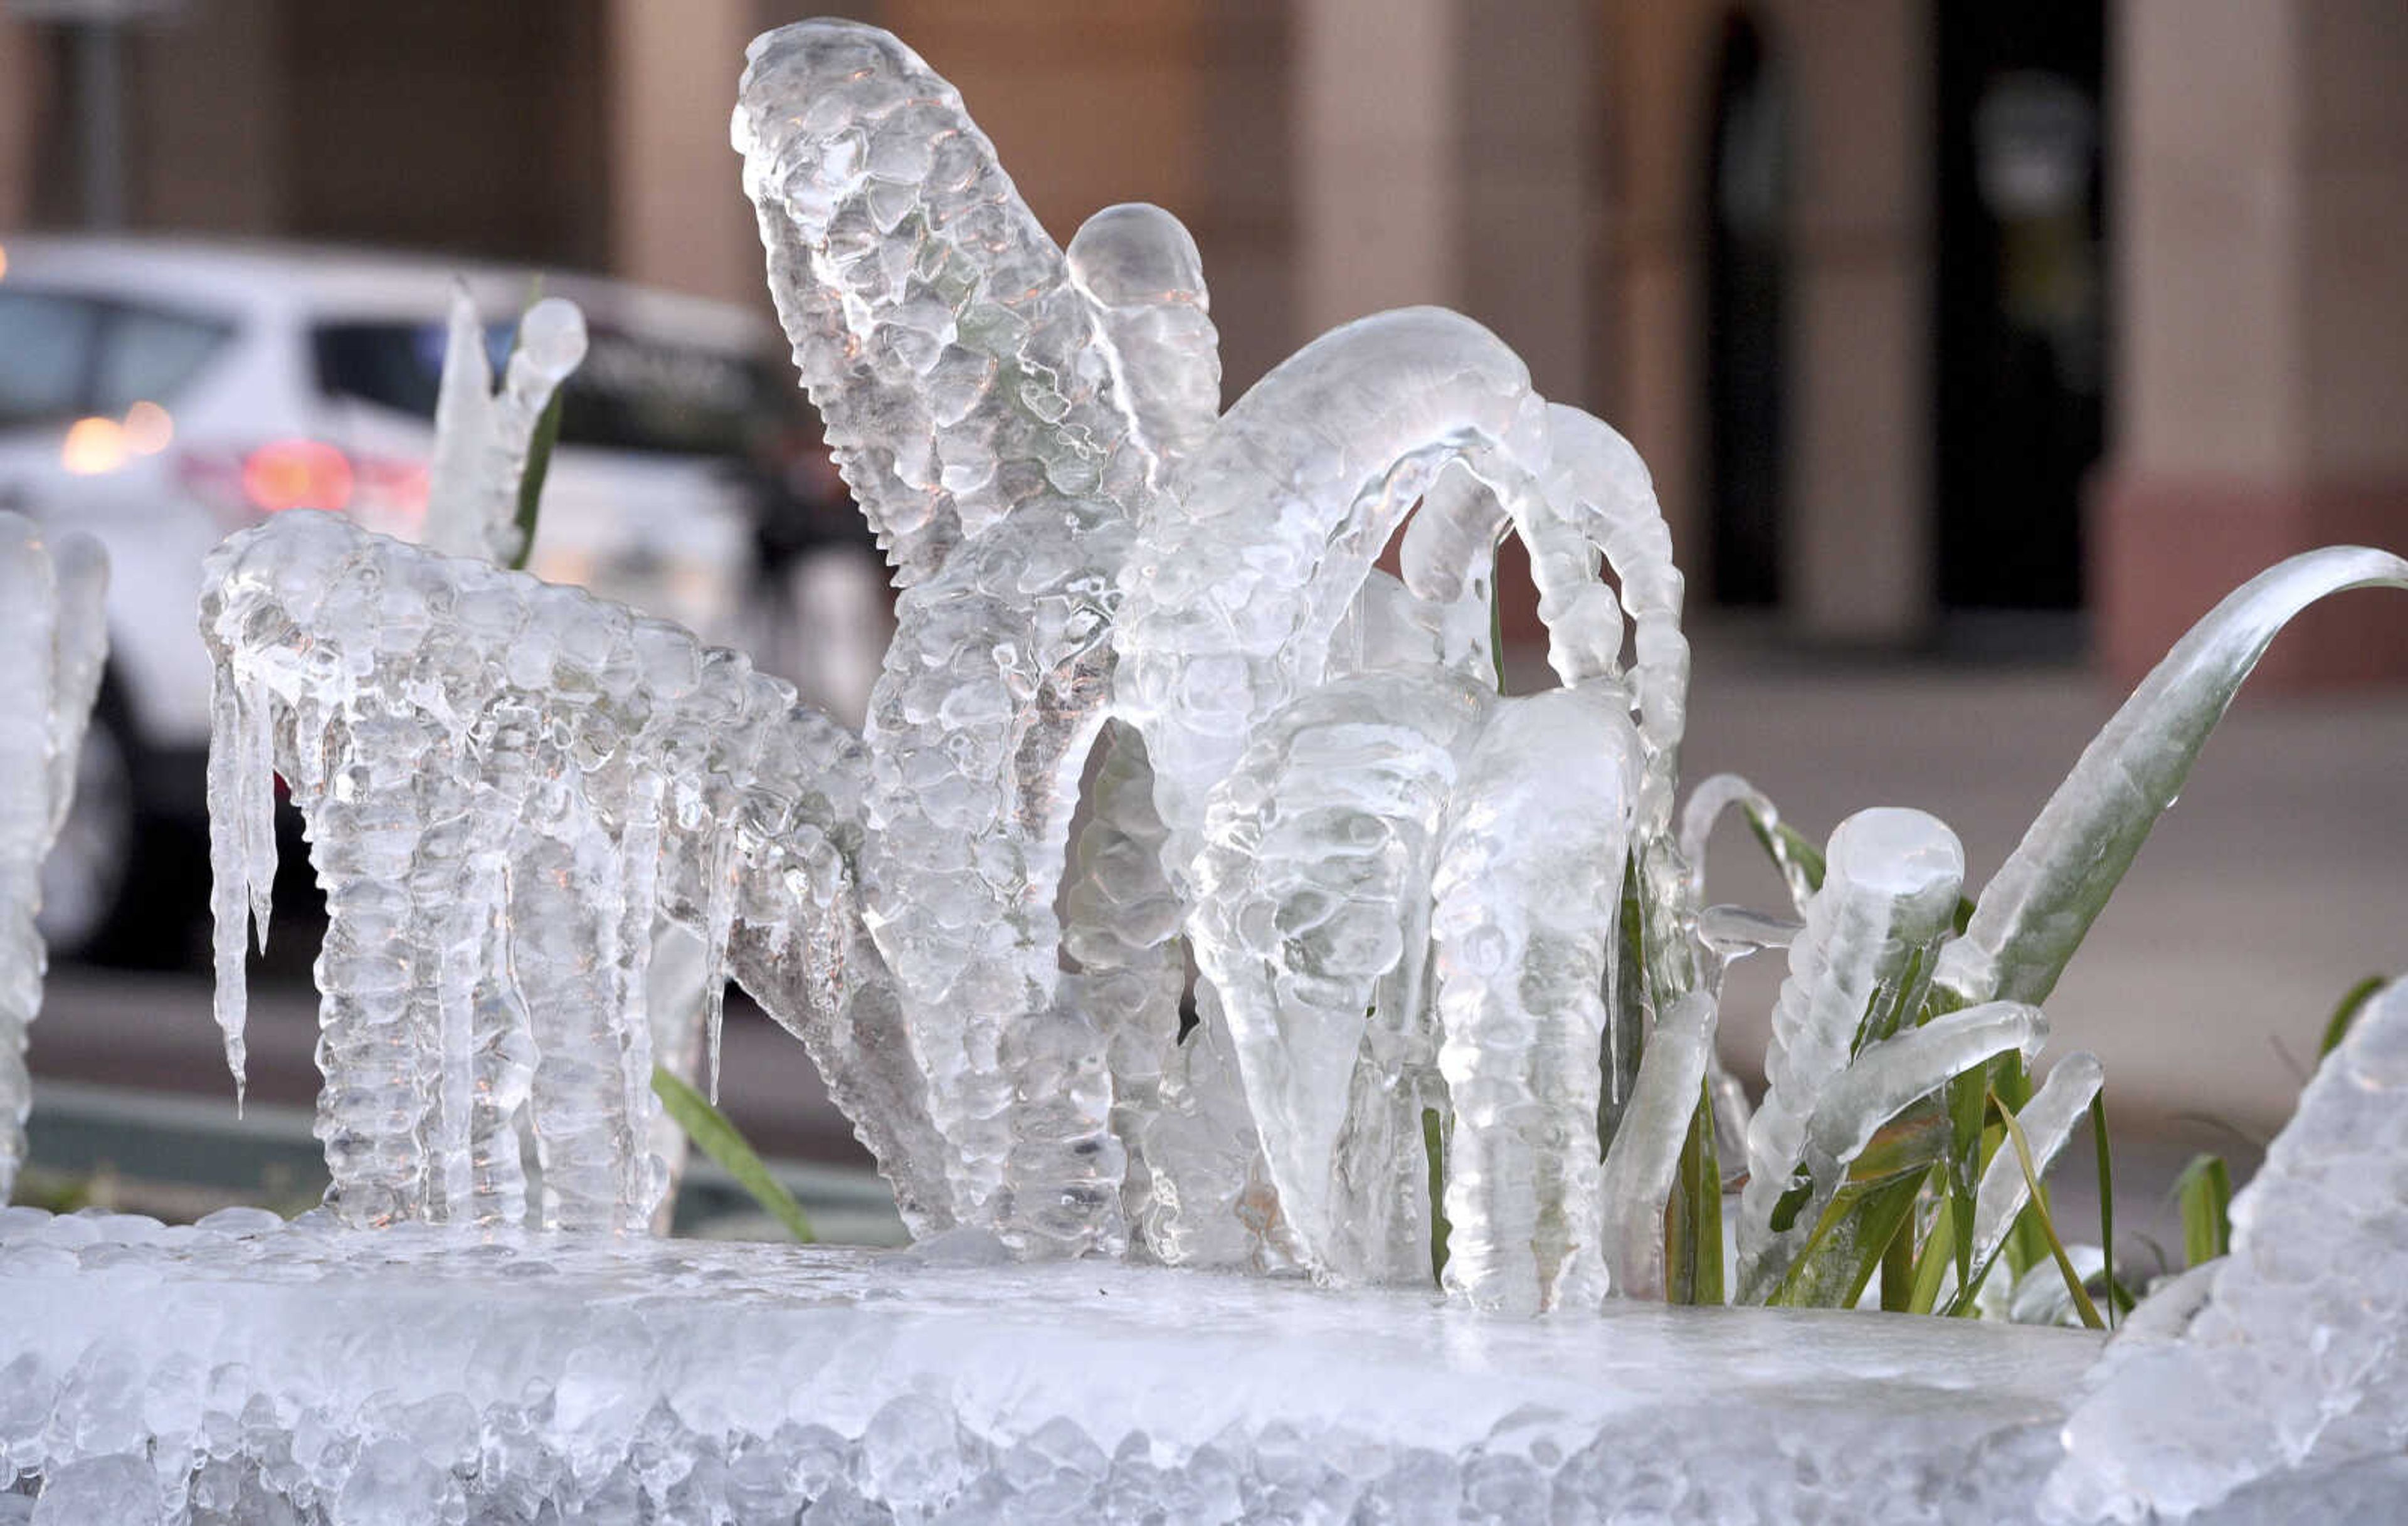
1989, 326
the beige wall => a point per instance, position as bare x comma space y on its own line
678, 213
2206, 205
1857, 542
1857, 530
2261, 322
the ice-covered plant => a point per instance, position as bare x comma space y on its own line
1151, 700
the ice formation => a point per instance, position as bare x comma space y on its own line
54, 642
2286, 1353
505, 783
1453, 1005
245, 1371
483, 439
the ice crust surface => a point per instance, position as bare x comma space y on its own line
242, 1370
53, 641
2287, 1354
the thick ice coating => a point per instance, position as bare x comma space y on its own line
1313, 897
1889, 890
1528, 895
991, 432
2291, 1359
53, 641
504, 783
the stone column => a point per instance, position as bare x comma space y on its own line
678, 214
23, 90
2261, 368
1858, 543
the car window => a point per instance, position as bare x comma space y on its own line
147, 354
46, 355
630, 394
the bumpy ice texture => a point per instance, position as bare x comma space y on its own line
504, 784
483, 439
2286, 1354
53, 641
245, 1371
1005, 421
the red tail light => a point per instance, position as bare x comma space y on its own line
382, 494
296, 474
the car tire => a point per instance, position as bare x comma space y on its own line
116, 886
85, 879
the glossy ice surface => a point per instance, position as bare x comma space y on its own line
225, 1371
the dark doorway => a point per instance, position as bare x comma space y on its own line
1746, 269
2021, 327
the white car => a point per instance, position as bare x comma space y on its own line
161, 394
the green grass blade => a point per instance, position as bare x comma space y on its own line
2115, 1303
1693, 1219
2204, 1190
539, 463
2037, 1214
1931, 1265
716, 1137
1898, 1270
2337, 1026
1434, 1150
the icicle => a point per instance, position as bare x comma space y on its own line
718, 924
2048, 1120
1643, 1166
1528, 893
230, 902
80, 569
1889, 890
1318, 851
30, 718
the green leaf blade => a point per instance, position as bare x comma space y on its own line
715, 1136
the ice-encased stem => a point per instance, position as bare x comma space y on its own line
1890, 883
52, 642
2048, 1120
1312, 892
483, 439
1642, 1161
1528, 900
968, 387
2035, 910
1141, 268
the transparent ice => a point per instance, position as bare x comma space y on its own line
53, 643
1149, 702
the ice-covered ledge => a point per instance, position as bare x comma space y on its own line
407, 1374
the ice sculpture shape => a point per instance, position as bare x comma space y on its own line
54, 642
481, 438
503, 782
1149, 696
2286, 1352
